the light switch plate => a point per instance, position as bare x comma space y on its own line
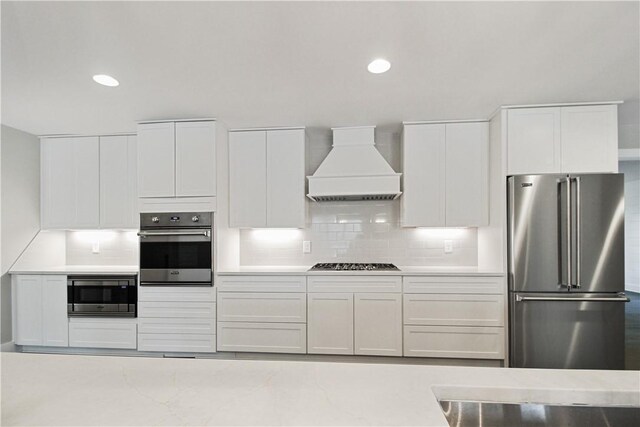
448, 246
95, 248
306, 246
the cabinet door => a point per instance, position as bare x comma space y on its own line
589, 139
28, 310
330, 323
247, 179
195, 159
55, 323
156, 160
118, 183
378, 324
533, 141
58, 183
285, 178
423, 159
467, 179
87, 182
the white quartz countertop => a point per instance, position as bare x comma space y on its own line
80, 269
404, 271
45, 389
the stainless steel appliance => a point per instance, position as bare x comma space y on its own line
566, 271
176, 249
103, 296
353, 266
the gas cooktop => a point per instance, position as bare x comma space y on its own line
353, 266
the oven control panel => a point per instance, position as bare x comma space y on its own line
172, 220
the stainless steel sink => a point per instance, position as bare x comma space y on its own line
469, 413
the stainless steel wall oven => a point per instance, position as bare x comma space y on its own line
102, 296
176, 249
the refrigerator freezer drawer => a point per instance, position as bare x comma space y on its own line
556, 330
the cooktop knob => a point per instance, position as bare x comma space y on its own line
195, 218
155, 219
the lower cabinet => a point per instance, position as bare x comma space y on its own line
266, 314
102, 333
454, 341
177, 319
40, 310
355, 323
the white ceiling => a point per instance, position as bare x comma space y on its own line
270, 64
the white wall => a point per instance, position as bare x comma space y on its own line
631, 172
20, 217
115, 247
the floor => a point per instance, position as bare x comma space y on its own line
47, 389
632, 332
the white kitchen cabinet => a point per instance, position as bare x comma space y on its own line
262, 337
562, 139
40, 310
423, 175
533, 136
176, 159
70, 182
262, 284
454, 342
378, 324
118, 183
330, 323
273, 307
467, 177
445, 175
247, 179
195, 159
267, 178
192, 343
102, 333
454, 309
589, 136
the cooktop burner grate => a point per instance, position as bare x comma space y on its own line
353, 266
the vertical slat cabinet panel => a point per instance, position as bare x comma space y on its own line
195, 159
247, 179
589, 138
533, 140
285, 178
87, 177
423, 159
58, 183
156, 160
330, 323
378, 324
28, 309
118, 195
467, 179
55, 323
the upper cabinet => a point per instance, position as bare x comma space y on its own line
177, 159
89, 182
267, 178
571, 139
70, 182
445, 175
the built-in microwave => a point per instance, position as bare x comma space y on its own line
102, 296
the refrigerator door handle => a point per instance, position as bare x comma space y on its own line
619, 298
569, 235
577, 213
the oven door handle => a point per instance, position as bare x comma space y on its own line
205, 233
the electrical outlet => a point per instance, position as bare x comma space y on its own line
448, 246
306, 246
95, 248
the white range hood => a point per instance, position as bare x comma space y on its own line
354, 170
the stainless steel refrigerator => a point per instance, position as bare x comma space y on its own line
566, 271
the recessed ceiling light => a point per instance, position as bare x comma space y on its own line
378, 66
105, 80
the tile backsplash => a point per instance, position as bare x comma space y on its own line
358, 232
115, 247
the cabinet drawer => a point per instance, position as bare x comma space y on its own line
196, 343
205, 310
262, 284
452, 285
344, 283
102, 334
454, 341
193, 325
262, 307
177, 293
262, 337
452, 309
